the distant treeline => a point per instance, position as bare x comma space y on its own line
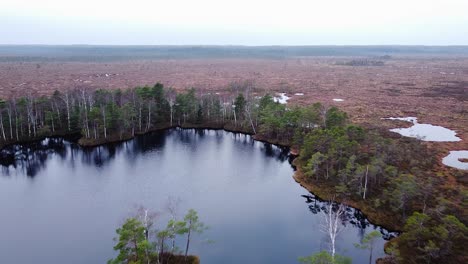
362, 62
21, 53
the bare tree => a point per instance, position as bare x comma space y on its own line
332, 225
233, 107
103, 111
172, 206
1, 125
85, 110
148, 124
147, 218
365, 183
66, 99
10, 118
15, 108
250, 119
30, 101
171, 94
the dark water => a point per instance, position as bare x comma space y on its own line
61, 204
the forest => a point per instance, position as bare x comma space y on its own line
389, 178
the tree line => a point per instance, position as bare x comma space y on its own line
390, 176
101, 114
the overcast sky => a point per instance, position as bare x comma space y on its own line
236, 22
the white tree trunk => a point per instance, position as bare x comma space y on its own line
235, 118
148, 126
16, 121
10, 121
103, 109
251, 122
331, 225
171, 104
139, 117
365, 183
86, 125
66, 99
1, 126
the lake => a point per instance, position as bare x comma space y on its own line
61, 203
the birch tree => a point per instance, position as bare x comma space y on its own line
10, 118
147, 219
172, 206
85, 111
66, 99
2, 105
332, 223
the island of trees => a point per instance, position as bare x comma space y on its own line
390, 178
140, 242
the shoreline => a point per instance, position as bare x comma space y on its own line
111, 139
319, 190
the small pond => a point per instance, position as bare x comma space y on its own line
281, 98
425, 132
453, 159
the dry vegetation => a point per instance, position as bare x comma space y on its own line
432, 88
435, 89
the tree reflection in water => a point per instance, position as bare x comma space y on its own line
352, 216
31, 158
263, 185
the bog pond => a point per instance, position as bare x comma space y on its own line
425, 132
61, 203
454, 159
428, 132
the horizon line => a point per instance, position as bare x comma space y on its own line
243, 45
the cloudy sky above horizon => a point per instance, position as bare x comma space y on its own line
240, 22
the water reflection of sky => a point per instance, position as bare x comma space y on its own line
425, 132
56, 198
453, 159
